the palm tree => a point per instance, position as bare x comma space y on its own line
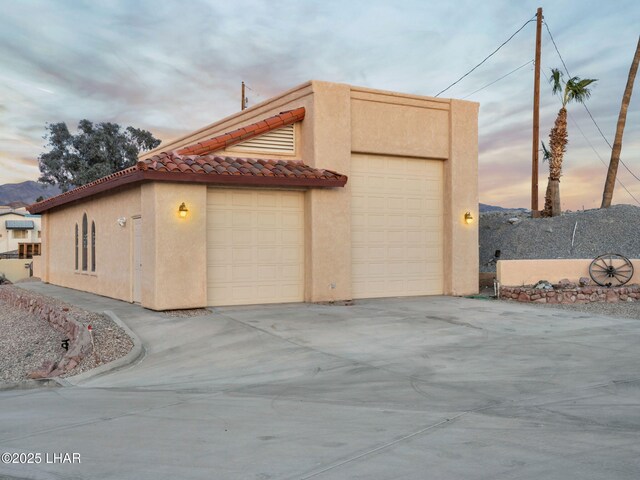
573, 90
607, 195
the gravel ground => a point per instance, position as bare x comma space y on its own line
612, 230
27, 341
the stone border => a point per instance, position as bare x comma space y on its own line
571, 294
136, 353
60, 318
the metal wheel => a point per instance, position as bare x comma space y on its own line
611, 270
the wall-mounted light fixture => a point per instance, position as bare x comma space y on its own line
183, 210
122, 221
468, 218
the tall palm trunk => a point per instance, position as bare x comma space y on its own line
610, 183
557, 146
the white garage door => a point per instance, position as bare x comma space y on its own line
255, 246
396, 227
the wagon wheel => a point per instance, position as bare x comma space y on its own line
611, 270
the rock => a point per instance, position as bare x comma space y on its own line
543, 285
513, 220
523, 297
584, 281
612, 297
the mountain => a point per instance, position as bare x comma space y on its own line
484, 208
25, 192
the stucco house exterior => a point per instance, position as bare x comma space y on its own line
16, 227
326, 192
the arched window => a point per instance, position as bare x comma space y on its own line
85, 241
93, 246
76, 249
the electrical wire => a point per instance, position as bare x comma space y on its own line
584, 105
249, 88
488, 56
594, 150
496, 81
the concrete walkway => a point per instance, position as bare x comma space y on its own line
432, 387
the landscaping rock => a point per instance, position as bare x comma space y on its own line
552, 237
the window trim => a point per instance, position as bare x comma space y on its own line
77, 246
85, 242
93, 246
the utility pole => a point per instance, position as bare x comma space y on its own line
244, 102
536, 117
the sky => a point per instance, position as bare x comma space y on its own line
174, 66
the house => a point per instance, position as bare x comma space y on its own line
326, 192
18, 227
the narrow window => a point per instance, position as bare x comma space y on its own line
76, 249
85, 242
93, 246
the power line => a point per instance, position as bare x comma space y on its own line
496, 81
488, 56
596, 152
249, 88
584, 105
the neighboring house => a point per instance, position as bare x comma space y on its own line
18, 227
326, 192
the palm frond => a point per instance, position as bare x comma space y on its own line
546, 154
556, 80
578, 90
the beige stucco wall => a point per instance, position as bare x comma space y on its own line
174, 261
513, 273
15, 269
461, 196
431, 129
113, 275
37, 266
340, 120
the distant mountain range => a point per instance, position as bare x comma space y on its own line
15, 194
484, 208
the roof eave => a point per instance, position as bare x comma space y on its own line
80, 193
209, 179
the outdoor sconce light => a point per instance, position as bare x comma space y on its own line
122, 221
468, 218
183, 210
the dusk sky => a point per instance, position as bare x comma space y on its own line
173, 66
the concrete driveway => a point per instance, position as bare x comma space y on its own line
420, 388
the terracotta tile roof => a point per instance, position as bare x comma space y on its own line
245, 133
210, 169
128, 175
224, 165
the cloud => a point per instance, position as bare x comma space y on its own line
171, 69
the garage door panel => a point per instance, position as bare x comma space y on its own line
242, 199
396, 226
241, 254
242, 236
255, 246
267, 236
266, 218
